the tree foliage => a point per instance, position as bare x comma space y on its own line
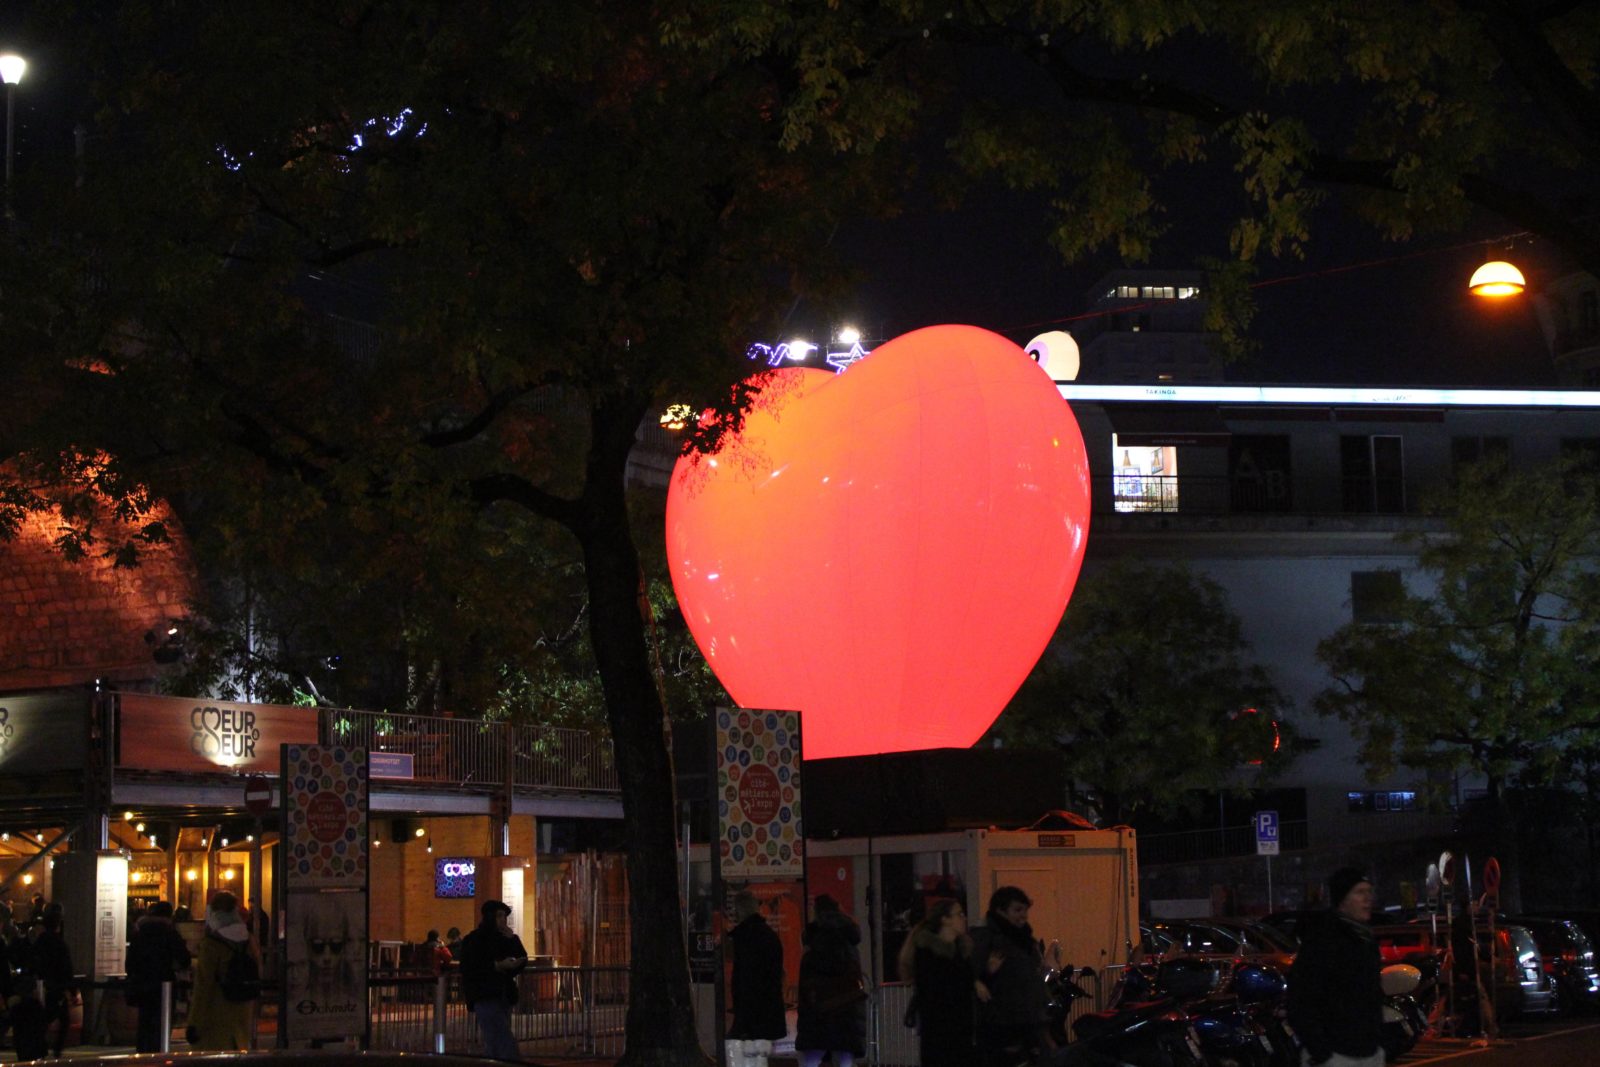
1144, 690
1487, 666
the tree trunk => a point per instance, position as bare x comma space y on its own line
660, 1024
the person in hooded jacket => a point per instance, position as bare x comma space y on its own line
1011, 996
833, 1000
937, 960
1336, 991
215, 1022
156, 954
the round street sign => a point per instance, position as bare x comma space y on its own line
257, 795
1433, 880
1447, 867
1491, 878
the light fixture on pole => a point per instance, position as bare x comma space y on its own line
12, 67
1497, 278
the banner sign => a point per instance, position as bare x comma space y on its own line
324, 868
759, 835
326, 983
42, 732
157, 733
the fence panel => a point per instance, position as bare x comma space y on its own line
560, 1012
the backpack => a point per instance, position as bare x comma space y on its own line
240, 977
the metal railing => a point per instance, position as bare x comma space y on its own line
1217, 843
1194, 494
561, 1011
472, 752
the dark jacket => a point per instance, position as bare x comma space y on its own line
51, 962
479, 951
757, 987
1335, 999
155, 955
1016, 990
831, 1017
946, 1000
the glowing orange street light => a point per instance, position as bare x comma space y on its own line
1497, 278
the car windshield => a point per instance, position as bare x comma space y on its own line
1268, 938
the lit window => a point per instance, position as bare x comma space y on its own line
1188, 292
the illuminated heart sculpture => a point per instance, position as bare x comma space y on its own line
888, 550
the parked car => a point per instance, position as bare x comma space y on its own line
1291, 923
1567, 955
1520, 984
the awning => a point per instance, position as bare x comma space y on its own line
1168, 425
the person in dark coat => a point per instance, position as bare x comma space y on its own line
833, 998
491, 958
1010, 971
756, 989
156, 954
937, 961
1335, 995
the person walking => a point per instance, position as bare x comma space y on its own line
156, 954
51, 961
491, 958
216, 1022
832, 1019
1336, 996
756, 987
1011, 996
937, 962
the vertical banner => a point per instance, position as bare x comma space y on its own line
759, 840
324, 874
759, 834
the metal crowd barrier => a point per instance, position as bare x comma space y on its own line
560, 1011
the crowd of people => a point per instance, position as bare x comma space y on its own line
39, 983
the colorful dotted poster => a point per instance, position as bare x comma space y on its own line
325, 817
758, 794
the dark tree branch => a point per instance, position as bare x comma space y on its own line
513, 489
1572, 107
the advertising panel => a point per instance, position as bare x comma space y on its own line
42, 732
156, 733
758, 795
326, 946
324, 867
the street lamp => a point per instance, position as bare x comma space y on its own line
12, 67
1497, 278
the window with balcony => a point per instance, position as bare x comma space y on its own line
1145, 477
1258, 473
1373, 472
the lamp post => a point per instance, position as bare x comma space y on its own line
12, 67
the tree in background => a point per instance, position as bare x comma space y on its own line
1144, 691
379, 295
1487, 665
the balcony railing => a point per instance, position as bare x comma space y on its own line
474, 753
1172, 494
1193, 845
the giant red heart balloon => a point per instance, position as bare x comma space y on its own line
887, 550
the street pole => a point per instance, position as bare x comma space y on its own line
11, 108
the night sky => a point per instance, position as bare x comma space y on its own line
1405, 319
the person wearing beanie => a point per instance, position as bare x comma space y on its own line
491, 958
1335, 995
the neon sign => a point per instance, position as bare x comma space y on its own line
839, 358
455, 878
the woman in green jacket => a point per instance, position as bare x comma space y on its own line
215, 1022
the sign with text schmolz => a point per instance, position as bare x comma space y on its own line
183, 734
324, 867
758, 795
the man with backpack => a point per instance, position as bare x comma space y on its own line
227, 978
155, 955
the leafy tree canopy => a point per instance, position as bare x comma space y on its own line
1487, 664
1144, 690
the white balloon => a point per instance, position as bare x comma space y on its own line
1057, 353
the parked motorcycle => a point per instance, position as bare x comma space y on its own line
1261, 988
1404, 1019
